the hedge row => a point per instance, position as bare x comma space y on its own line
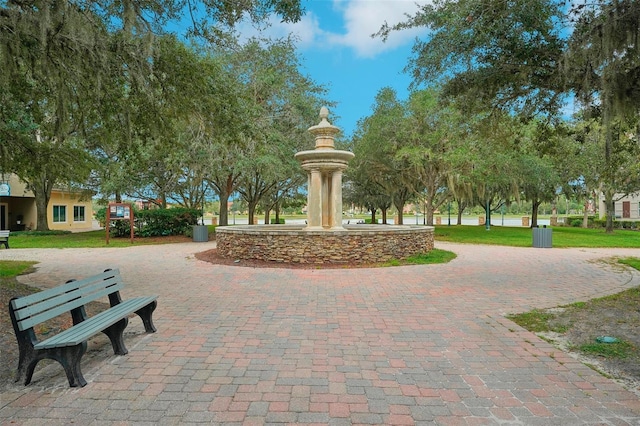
153, 223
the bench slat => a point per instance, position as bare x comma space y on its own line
72, 299
34, 320
86, 329
70, 286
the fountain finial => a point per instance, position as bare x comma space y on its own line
324, 113
324, 131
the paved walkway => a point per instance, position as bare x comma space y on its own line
404, 345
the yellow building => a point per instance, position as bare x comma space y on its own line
67, 210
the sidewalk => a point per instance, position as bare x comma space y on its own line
403, 345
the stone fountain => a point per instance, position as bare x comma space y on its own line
324, 166
325, 238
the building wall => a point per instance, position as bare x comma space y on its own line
20, 209
24, 209
67, 212
634, 206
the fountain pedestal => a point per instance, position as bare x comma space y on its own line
324, 166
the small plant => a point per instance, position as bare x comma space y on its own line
536, 321
619, 349
434, 256
577, 305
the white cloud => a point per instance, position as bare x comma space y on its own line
307, 30
360, 19
365, 17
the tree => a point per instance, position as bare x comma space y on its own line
493, 161
361, 191
281, 103
49, 79
377, 143
602, 64
490, 53
285, 194
515, 57
58, 58
617, 175
434, 131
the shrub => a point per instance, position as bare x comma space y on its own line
153, 223
40, 233
273, 221
600, 223
162, 222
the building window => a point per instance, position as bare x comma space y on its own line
78, 213
59, 214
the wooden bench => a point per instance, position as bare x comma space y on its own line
4, 238
68, 346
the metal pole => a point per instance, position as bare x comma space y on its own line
203, 201
487, 222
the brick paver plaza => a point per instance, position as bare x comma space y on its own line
404, 345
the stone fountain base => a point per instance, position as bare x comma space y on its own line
359, 244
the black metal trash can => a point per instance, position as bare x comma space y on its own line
200, 233
542, 237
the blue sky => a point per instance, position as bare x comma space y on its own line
337, 51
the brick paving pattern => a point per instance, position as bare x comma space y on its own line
396, 346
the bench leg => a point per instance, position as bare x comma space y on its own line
26, 354
6, 243
115, 334
145, 315
69, 357
26, 340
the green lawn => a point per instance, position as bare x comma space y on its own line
497, 235
90, 239
523, 237
11, 268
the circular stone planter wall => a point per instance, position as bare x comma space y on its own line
292, 244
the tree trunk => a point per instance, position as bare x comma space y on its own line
41, 188
223, 219
224, 193
267, 213
384, 216
252, 211
429, 212
277, 209
428, 203
611, 210
585, 216
461, 209
42, 202
399, 208
535, 205
373, 215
